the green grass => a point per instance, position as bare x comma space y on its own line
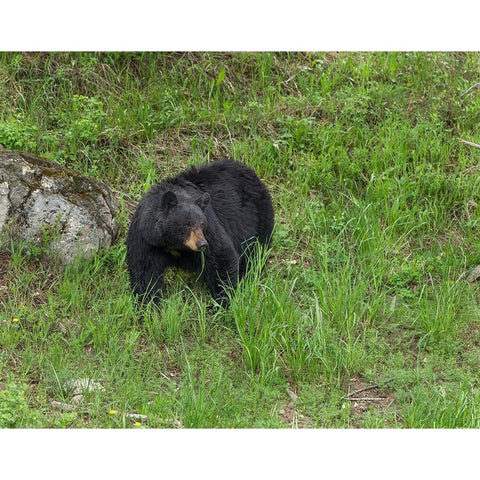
377, 227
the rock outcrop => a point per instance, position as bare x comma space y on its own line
45, 204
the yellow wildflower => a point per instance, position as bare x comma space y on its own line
112, 412
15, 319
137, 424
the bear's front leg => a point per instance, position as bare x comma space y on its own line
221, 272
146, 266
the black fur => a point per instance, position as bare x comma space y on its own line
224, 205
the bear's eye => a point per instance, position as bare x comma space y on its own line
202, 225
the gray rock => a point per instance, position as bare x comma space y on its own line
474, 275
77, 399
81, 385
137, 417
64, 407
42, 202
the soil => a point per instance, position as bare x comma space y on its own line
4, 259
363, 397
293, 418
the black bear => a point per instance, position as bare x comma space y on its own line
202, 220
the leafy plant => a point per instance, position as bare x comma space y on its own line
14, 409
15, 134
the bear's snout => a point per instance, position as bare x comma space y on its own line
196, 241
202, 245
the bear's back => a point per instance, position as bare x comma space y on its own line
239, 198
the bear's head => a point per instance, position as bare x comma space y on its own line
184, 222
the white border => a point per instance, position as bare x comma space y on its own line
212, 454
265, 25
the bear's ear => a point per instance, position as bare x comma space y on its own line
169, 200
203, 201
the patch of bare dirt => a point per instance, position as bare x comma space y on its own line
4, 260
363, 397
291, 416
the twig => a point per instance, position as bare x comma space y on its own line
361, 390
166, 378
471, 88
466, 142
366, 399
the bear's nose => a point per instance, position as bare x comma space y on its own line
202, 245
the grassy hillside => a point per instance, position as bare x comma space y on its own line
362, 318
